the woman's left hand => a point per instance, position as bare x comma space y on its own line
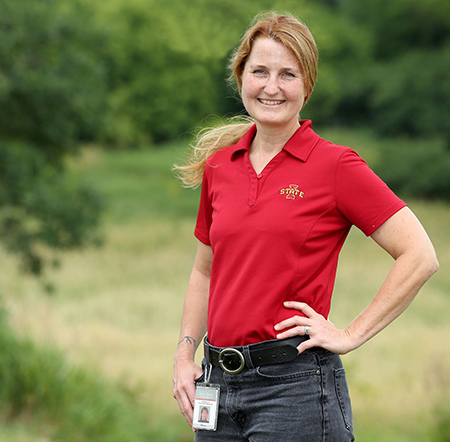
321, 331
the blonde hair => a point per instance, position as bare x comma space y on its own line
298, 40
207, 143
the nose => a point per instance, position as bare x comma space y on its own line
272, 87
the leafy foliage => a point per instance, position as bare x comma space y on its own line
72, 404
414, 168
51, 84
166, 64
38, 206
51, 97
415, 101
405, 88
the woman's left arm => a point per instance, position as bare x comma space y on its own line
404, 238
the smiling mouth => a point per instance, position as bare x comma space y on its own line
270, 102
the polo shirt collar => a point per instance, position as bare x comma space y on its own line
300, 145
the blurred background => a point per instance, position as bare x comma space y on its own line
97, 101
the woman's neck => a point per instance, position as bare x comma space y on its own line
267, 144
270, 141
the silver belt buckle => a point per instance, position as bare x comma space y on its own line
227, 370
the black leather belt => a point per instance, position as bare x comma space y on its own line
231, 359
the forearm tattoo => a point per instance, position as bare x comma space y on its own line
189, 340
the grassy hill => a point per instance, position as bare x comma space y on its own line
117, 308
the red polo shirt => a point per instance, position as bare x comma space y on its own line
276, 236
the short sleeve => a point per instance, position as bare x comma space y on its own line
362, 197
204, 216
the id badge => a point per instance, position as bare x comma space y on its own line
206, 407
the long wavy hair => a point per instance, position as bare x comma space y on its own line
298, 40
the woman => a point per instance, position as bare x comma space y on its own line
277, 203
204, 415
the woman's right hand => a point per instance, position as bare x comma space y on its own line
185, 373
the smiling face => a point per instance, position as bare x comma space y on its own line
273, 89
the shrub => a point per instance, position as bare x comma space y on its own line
415, 168
72, 404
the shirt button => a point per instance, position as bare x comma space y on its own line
259, 175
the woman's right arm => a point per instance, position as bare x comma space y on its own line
193, 329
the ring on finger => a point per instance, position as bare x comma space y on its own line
307, 330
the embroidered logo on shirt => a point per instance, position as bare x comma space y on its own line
292, 192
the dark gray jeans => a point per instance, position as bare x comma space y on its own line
305, 400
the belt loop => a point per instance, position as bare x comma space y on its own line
247, 357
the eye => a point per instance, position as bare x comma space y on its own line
289, 74
259, 72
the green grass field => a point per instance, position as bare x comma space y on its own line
117, 308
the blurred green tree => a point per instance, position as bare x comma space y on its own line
167, 64
405, 88
52, 95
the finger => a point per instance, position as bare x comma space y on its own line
306, 345
296, 331
303, 307
186, 408
301, 330
293, 321
185, 403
